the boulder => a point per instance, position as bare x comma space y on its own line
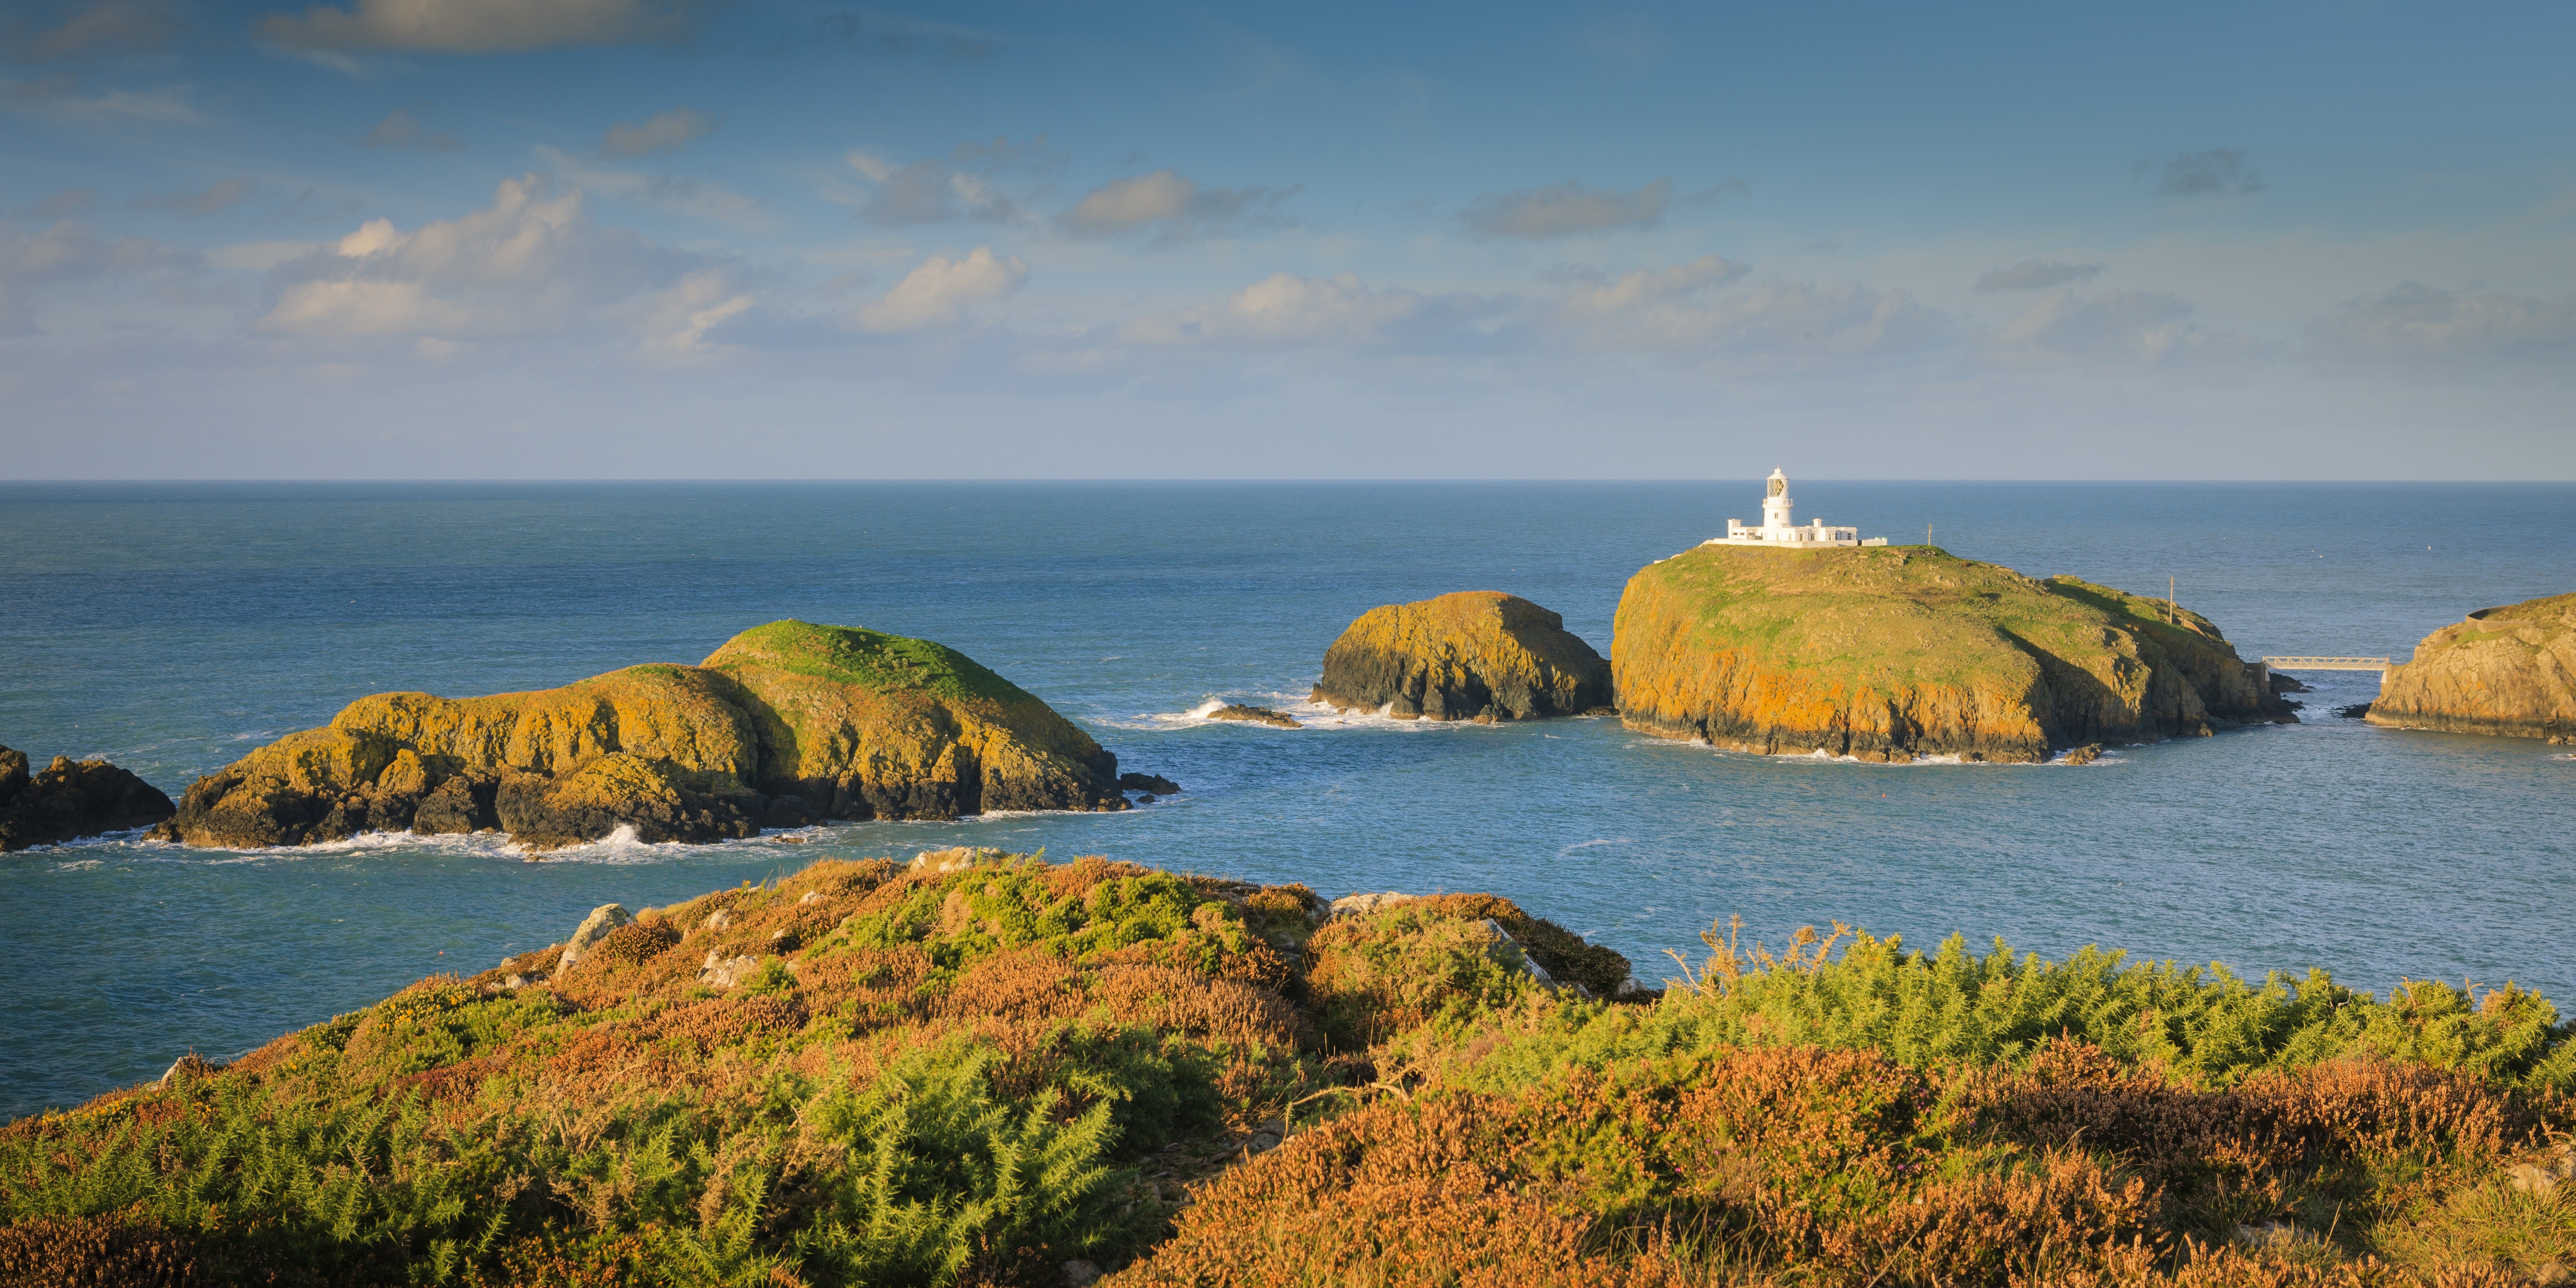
785, 725
727, 972
603, 921
71, 799
1461, 656
1254, 715
2084, 755
1154, 783
1890, 653
2507, 671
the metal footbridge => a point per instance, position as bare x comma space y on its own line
2328, 663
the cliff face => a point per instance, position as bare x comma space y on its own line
2508, 671
68, 800
1889, 653
785, 724
1462, 656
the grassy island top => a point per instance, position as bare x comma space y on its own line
870, 659
1918, 609
981, 1068
2533, 625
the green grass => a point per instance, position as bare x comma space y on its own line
874, 659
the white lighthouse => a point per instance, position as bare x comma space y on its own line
1777, 530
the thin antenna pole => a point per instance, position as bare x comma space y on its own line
1927, 534
2173, 616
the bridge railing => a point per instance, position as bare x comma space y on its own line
2328, 663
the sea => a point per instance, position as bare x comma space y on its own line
174, 627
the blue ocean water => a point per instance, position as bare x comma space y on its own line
174, 627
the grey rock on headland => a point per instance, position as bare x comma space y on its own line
602, 921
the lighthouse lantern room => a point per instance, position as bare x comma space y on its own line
1778, 531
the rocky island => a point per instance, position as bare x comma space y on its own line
1476, 654
2508, 671
786, 724
1891, 653
70, 799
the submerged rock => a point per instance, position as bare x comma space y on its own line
70, 799
1461, 656
1155, 784
1254, 715
1890, 653
786, 724
2508, 671
2085, 755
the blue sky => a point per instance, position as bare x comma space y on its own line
638, 238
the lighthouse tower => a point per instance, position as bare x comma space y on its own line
1779, 532
1775, 506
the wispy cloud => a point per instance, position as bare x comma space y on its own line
57, 98
479, 26
664, 132
2458, 332
1566, 209
2216, 172
696, 198
98, 27
2034, 275
214, 198
403, 128
1176, 208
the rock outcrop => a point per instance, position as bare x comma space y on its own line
1476, 653
1254, 715
1895, 652
2508, 671
71, 799
784, 725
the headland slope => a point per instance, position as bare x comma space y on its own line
2508, 671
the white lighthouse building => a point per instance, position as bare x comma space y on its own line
1778, 531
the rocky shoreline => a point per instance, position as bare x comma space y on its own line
2504, 672
69, 799
1472, 655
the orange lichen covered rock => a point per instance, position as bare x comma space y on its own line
1470, 655
2508, 671
785, 724
1895, 652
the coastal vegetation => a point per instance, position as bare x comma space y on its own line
982, 1068
2508, 671
1472, 655
785, 724
1894, 652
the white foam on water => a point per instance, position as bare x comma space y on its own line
1585, 845
78, 864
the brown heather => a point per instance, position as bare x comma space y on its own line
974, 1077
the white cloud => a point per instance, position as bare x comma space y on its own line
1285, 311
1561, 209
530, 263
939, 292
665, 132
676, 321
928, 192
478, 26
259, 257
2420, 326
1176, 208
